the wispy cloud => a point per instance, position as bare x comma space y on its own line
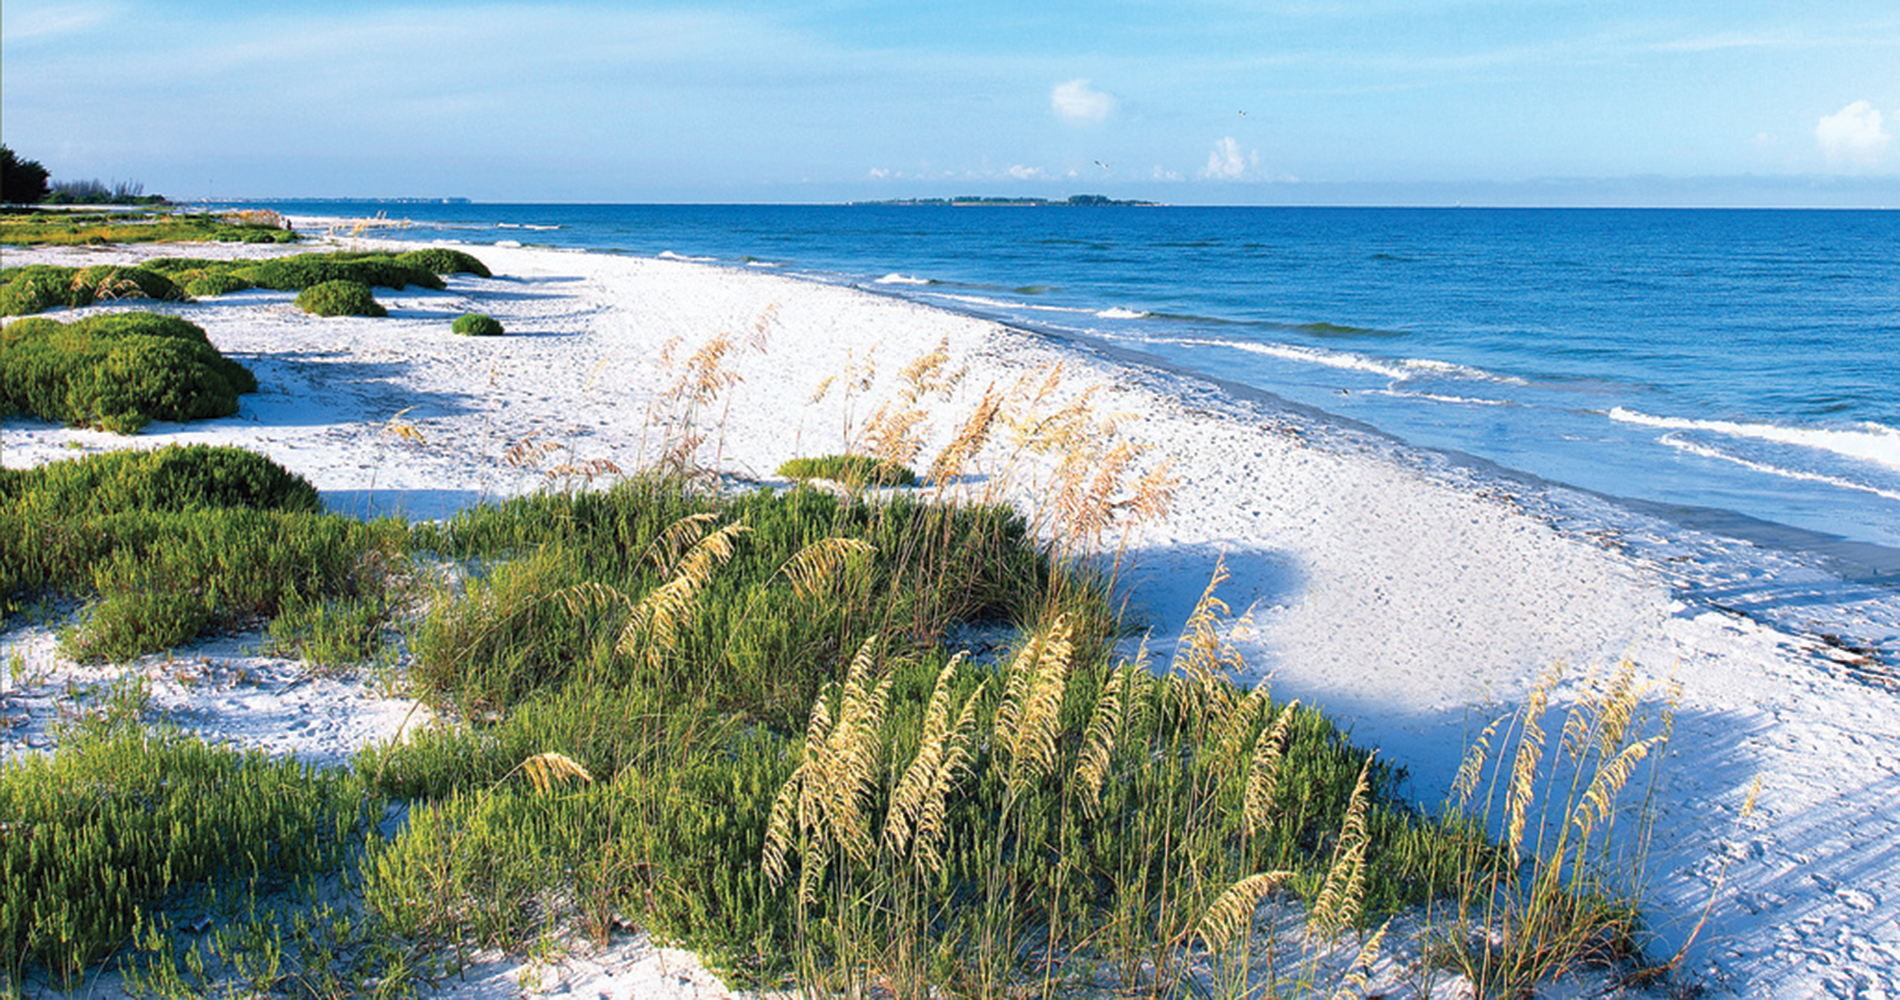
1076, 102
1225, 161
1852, 138
55, 19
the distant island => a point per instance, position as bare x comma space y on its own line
1087, 200
346, 201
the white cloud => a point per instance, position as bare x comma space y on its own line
880, 173
1853, 137
1023, 173
1225, 162
1075, 102
1164, 174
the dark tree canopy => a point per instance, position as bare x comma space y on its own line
22, 182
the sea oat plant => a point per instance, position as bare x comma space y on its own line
1558, 892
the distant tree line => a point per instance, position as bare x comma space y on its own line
25, 182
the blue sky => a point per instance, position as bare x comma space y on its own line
1413, 101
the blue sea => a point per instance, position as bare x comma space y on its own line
1735, 371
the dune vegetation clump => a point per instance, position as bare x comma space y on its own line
39, 287
211, 285
341, 297
172, 478
164, 546
477, 325
117, 371
378, 270
443, 260
851, 470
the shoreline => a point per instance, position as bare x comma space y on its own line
1406, 604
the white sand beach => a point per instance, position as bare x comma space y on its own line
1413, 598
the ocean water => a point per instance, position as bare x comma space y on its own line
1729, 369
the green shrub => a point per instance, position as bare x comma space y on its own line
118, 371
175, 477
442, 260
207, 286
477, 325
287, 274
339, 298
38, 287
180, 540
852, 470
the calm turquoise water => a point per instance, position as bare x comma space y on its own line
1729, 361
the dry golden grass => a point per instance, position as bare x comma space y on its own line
545, 770
1231, 914
1342, 896
916, 822
825, 803
1263, 771
654, 625
1029, 716
814, 569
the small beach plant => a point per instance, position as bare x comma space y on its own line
856, 471
1558, 892
341, 297
476, 325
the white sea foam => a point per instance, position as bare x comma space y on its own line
1676, 442
894, 278
507, 243
1440, 398
1459, 371
1117, 312
1308, 355
670, 255
1871, 442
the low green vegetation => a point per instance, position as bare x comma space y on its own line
378, 270
340, 297
38, 287
172, 478
104, 837
68, 228
852, 470
167, 546
117, 371
443, 260
742, 727
476, 325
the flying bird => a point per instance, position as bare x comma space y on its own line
1243, 114
1099, 163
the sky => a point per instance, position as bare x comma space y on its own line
1181, 101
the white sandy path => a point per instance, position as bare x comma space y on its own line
1409, 598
